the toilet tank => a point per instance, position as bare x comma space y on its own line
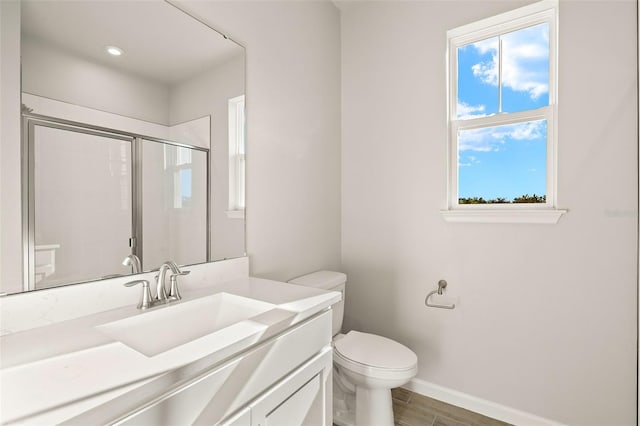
327, 280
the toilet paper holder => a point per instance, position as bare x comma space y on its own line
442, 284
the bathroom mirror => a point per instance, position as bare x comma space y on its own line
142, 92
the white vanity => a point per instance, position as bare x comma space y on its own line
235, 350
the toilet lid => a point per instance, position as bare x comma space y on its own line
375, 351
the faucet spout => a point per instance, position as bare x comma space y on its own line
133, 261
161, 293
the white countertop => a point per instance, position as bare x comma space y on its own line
52, 373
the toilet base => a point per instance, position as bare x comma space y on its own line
344, 406
344, 418
364, 408
374, 407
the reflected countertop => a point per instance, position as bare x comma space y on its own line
52, 373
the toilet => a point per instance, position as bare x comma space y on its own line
365, 366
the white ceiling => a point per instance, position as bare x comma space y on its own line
160, 42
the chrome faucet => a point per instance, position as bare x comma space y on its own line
133, 261
147, 301
174, 293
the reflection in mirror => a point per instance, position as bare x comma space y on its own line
166, 97
175, 212
86, 189
78, 233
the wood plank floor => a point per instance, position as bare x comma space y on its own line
412, 409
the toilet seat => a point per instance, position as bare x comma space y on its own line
374, 356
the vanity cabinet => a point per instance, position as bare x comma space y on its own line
303, 398
284, 380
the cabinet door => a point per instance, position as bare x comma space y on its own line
243, 418
302, 398
301, 407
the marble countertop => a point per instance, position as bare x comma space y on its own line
52, 373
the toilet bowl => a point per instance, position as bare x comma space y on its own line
366, 366
373, 365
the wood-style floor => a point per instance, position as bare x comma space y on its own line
412, 409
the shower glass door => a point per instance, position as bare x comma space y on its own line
79, 204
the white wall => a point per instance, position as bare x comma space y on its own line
293, 131
10, 190
207, 95
546, 320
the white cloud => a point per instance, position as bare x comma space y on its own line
523, 131
525, 55
487, 71
525, 64
479, 140
487, 45
469, 161
491, 139
466, 111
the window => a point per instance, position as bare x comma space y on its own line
177, 160
501, 117
236, 157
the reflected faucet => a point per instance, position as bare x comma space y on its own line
133, 261
174, 293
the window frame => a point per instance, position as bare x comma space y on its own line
545, 11
237, 157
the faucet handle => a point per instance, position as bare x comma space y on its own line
145, 300
174, 293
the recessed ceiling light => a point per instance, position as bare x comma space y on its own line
113, 50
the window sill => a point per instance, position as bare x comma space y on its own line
235, 214
547, 216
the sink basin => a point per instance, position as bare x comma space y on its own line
169, 326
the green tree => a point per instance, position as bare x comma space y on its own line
523, 199
530, 199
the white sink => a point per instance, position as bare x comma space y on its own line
169, 326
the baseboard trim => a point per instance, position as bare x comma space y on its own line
477, 405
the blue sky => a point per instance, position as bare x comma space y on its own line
503, 161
